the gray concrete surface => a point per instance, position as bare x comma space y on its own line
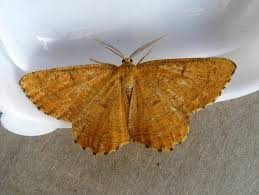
218, 157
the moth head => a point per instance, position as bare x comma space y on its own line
127, 60
135, 53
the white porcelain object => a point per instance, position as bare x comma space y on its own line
41, 34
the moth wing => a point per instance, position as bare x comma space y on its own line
91, 97
191, 83
63, 92
166, 91
102, 123
153, 119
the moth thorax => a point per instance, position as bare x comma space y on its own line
129, 81
128, 85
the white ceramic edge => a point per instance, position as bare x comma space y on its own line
244, 56
18, 119
19, 115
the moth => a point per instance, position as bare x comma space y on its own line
148, 102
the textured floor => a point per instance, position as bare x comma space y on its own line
218, 157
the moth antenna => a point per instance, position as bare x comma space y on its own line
149, 51
111, 48
140, 49
96, 61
